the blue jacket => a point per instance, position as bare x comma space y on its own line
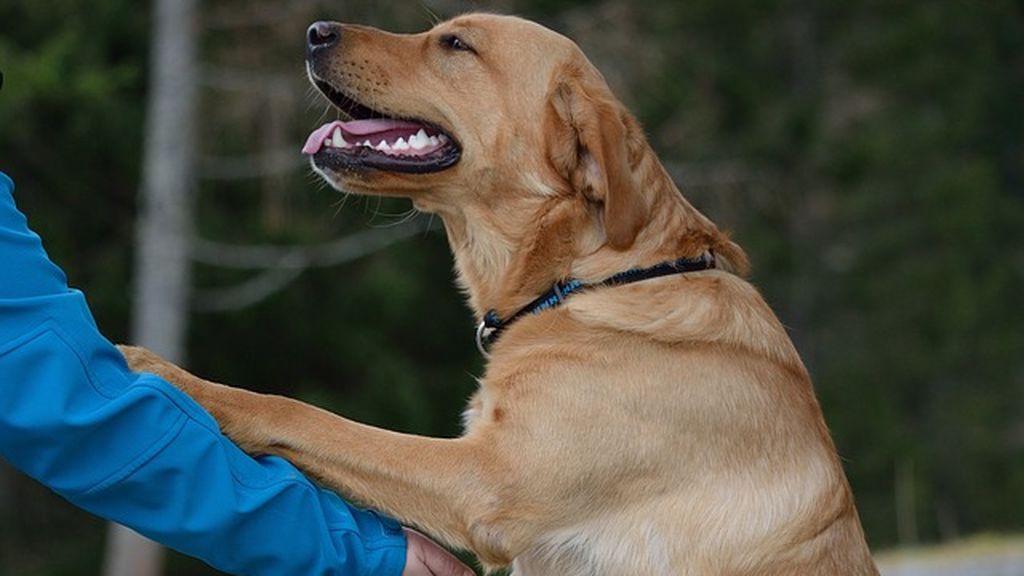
134, 449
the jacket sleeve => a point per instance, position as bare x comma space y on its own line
134, 449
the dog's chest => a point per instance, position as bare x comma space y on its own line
471, 414
610, 545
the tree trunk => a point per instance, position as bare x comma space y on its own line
6, 492
906, 503
162, 273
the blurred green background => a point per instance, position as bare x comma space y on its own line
869, 155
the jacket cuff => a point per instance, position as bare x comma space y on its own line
382, 538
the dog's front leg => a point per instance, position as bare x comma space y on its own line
443, 486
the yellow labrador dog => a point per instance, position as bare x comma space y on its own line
643, 411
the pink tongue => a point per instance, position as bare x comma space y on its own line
354, 128
364, 127
316, 139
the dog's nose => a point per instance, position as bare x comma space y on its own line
322, 35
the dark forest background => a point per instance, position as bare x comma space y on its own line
869, 155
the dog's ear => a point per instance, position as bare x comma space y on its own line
588, 144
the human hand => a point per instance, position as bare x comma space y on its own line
424, 558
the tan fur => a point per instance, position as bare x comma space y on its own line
664, 427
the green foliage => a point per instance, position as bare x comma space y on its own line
932, 219
71, 114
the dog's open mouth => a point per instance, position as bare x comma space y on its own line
372, 140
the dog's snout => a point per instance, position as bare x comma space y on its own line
322, 35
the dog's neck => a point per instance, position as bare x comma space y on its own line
506, 258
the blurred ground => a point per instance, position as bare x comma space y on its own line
981, 556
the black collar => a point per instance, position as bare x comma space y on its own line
492, 325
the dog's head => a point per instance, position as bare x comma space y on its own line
496, 123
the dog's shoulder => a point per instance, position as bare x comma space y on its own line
707, 308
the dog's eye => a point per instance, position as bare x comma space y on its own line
453, 42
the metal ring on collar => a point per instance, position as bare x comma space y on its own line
480, 328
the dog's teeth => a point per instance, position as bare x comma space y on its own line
339, 139
442, 139
434, 141
383, 146
419, 141
401, 144
367, 144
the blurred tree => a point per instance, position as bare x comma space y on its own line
164, 230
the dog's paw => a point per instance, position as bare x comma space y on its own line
140, 359
231, 407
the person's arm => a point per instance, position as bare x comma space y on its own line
134, 449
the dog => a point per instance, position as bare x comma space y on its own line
642, 412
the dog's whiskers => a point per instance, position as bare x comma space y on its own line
340, 204
399, 218
430, 225
432, 16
